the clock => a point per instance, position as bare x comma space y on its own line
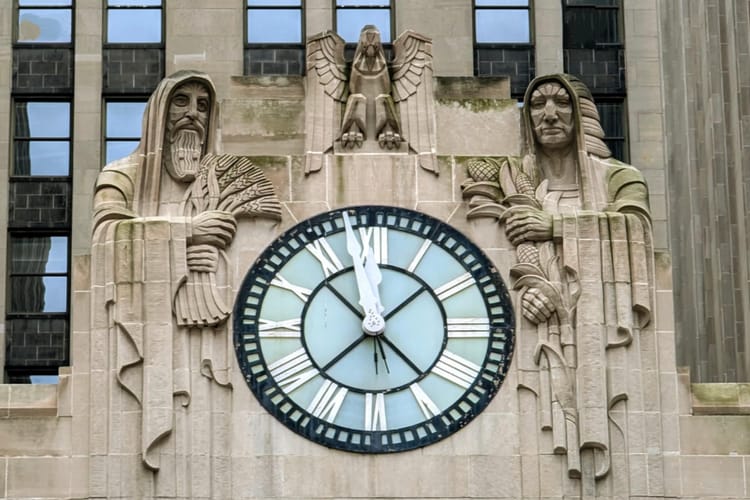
373, 329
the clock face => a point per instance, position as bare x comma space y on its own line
373, 329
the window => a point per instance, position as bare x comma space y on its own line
591, 24
612, 118
38, 274
134, 21
122, 129
41, 140
44, 21
274, 21
353, 15
502, 21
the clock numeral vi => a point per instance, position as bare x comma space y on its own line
456, 369
329, 261
375, 412
293, 370
327, 401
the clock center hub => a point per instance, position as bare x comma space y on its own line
373, 324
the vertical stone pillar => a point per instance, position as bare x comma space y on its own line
6, 70
450, 27
548, 39
318, 16
205, 36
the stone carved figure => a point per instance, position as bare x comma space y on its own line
581, 226
163, 217
387, 107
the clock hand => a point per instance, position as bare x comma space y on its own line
374, 277
382, 352
375, 355
373, 323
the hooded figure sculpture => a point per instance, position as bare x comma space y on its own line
581, 225
162, 218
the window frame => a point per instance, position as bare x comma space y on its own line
529, 7
105, 26
391, 19
38, 233
106, 139
276, 45
17, 8
15, 139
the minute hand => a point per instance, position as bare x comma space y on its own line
373, 322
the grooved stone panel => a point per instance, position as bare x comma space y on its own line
274, 61
517, 63
36, 343
39, 204
42, 70
707, 111
131, 70
602, 70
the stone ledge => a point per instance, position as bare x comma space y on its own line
24, 400
721, 399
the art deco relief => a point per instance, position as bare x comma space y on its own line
581, 227
163, 218
370, 105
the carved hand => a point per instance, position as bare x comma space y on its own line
536, 307
213, 227
528, 224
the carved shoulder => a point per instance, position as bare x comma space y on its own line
627, 189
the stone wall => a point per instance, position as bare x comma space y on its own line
706, 56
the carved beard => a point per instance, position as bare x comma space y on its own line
186, 149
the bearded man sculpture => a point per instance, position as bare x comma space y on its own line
581, 225
163, 217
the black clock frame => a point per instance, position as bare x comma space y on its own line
283, 408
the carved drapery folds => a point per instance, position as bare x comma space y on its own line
370, 105
164, 217
580, 223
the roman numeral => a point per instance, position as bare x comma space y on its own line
328, 400
379, 237
375, 412
301, 292
428, 407
288, 328
293, 370
329, 261
468, 327
418, 258
454, 286
456, 369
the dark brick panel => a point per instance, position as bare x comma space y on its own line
602, 70
40, 70
39, 204
274, 61
36, 343
132, 70
517, 63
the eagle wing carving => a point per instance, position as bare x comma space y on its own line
411, 80
327, 92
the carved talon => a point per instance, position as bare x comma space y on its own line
352, 139
389, 140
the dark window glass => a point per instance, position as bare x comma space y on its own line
41, 144
590, 26
274, 21
612, 117
44, 21
501, 21
353, 15
38, 274
122, 128
134, 21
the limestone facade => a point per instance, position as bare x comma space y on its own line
685, 440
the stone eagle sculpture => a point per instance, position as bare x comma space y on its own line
373, 105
